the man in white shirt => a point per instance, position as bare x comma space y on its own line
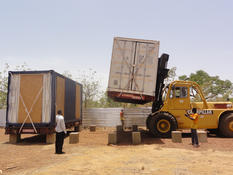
60, 132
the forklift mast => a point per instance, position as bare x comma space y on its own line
162, 73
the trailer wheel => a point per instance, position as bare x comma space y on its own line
226, 125
76, 128
162, 124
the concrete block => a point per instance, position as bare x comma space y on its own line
14, 138
135, 127
136, 138
119, 128
112, 138
92, 128
74, 137
177, 136
50, 138
202, 136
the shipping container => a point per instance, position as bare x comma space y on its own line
34, 97
133, 71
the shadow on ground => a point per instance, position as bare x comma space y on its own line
34, 140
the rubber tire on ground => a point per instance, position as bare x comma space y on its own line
224, 125
162, 116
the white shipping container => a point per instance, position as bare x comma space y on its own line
134, 67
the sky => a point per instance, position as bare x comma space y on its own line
75, 35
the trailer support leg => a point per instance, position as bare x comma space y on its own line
14, 138
50, 138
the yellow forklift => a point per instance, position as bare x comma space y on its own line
172, 102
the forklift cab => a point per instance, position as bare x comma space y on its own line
184, 95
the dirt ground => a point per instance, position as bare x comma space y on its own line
92, 156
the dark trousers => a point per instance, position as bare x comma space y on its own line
123, 124
194, 137
59, 141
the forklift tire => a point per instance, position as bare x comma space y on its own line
148, 121
162, 124
226, 125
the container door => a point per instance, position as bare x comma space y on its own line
121, 65
30, 98
145, 68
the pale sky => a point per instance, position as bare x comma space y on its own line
75, 35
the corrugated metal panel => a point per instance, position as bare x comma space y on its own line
2, 117
134, 66
111, 116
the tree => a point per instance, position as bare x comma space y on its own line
67, 74
3, 86
4, 82
171, 76
91, 87
213, 87
106, 102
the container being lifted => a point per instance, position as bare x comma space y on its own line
34, 97
133, 71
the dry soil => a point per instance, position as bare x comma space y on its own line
92, 156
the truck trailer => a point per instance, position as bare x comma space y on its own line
33, 99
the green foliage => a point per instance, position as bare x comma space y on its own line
213, 87
3, 86
91, 87
106, 102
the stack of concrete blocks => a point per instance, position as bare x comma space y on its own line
136, 138
177, 136
112, 138
14, 138
92, 128
74, 137
202, 136
119, 128
50, 138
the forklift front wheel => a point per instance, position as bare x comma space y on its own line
162, 124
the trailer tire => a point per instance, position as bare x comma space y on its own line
162, 124
226, 125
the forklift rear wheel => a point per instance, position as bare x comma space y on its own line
226, 125
162, 124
